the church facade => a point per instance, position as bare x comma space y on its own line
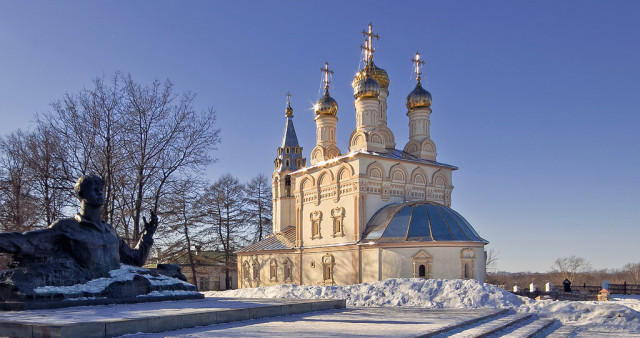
372, 213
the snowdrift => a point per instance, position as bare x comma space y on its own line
458, 294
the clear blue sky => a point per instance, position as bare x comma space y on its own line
538, 103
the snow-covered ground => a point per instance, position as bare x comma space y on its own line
621, 314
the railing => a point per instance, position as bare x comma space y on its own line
581, 292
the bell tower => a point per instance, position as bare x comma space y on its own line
288, 159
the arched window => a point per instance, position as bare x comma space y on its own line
273, 270
288, 271
256, 270
315, 218
327, 268
338, 221
421, 264
245, 270
287, 186
467, 262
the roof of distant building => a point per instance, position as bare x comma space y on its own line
279, 241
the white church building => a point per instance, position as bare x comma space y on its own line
367, 214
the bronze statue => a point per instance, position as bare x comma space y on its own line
72, 250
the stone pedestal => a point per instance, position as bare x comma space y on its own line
128, 284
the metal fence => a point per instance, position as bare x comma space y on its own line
582, 292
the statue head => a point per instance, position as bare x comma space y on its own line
90, 189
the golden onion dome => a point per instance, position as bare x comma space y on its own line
377, 73
418, 98
326, 105
366, 87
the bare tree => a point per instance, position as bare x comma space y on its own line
570, 267
138, 138
163, 135
183, 218
90, 127
259, 206
19, 209
225, 211
632, 272
491, 260
45, 160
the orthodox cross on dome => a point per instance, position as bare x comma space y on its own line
417, 62
368, 43
288, 98
326, 72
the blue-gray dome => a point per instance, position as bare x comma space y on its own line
419, 222
418, 98
366, 87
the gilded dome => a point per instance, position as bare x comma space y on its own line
289, 111
419, 222
419, 98
326, 105
378, 74
366, 87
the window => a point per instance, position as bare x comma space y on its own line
256, 270
467, 262
245, 270
328, 263
273, 271
316, 218
422, 264
288, 271
287, 186
337, 214
203, 283
315, 228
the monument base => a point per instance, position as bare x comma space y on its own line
128, 284
53, 304
118, 320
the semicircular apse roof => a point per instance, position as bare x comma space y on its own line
419, 222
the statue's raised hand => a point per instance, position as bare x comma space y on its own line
151, 226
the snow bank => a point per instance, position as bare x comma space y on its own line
426, 293
619, 314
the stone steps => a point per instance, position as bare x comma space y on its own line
492, 326
562, 332
529, 329
447, 330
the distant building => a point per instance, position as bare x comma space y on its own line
375, 212
210, 270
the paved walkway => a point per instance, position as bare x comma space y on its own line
363, 322
120, 319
